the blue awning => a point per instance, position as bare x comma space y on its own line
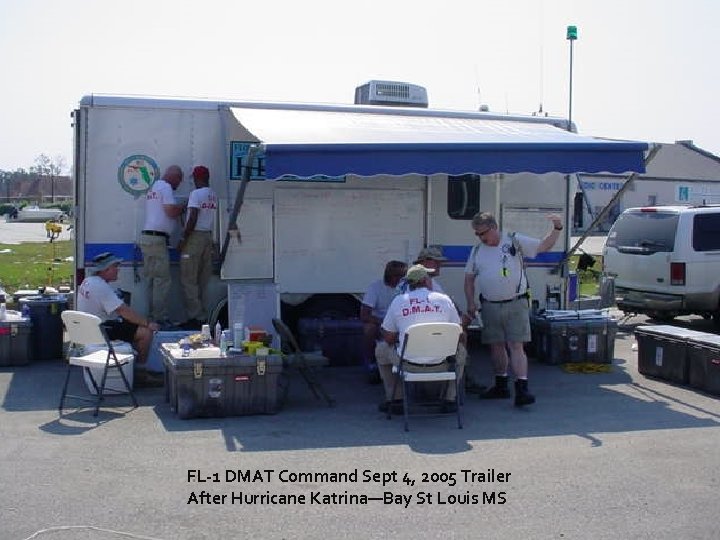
368, 141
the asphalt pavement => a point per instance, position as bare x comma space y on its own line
600, 455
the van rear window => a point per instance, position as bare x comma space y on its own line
644, 232
706, 232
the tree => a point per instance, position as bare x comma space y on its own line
49, 167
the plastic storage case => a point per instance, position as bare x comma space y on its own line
155, 356
228, 386
560, 337
341, 340
704, 363
663, 352
15, 342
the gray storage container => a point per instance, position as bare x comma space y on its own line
155, 356
574, 337
662, 351
229, 386
15, 342
704, 363
340, 340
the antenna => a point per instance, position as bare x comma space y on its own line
542, 59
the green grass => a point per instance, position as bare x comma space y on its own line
589, 280
31, 265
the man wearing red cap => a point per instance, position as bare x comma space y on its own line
196, 248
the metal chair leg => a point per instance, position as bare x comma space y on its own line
64, 390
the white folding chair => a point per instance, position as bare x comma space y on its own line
86, 330
428, 345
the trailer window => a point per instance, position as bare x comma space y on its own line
706, 232
463, 197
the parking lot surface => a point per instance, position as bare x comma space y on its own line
602, 455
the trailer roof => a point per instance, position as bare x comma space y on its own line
305, 139
306, 142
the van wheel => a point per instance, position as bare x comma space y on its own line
661, 316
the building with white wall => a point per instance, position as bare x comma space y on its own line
680, 173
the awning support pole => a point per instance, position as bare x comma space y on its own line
601, 215
233, 230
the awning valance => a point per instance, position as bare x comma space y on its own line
368, 141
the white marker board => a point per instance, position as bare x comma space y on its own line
530, 221
339, 240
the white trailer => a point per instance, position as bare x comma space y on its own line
325, 195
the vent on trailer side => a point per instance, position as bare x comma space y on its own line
391, 93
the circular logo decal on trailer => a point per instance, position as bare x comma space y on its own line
137, 173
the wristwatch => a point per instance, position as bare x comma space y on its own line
560, 228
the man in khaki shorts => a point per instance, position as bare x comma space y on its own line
496, 264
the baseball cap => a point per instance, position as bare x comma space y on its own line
430, 253
105, 260
201, 173
417, 272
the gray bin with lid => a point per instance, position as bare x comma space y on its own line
663, 351
47, 326
561, 337
704, 363
15, 342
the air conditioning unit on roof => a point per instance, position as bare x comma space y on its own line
391, 93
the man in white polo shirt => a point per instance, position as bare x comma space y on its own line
161, 213
121, 322
196, 247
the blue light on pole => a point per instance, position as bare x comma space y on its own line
571, 36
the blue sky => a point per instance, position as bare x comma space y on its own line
643, 69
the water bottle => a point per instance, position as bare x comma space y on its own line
218, 333
223, 343
206, 337
238, 334
185, 347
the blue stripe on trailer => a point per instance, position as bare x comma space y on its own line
458, 255
127, 252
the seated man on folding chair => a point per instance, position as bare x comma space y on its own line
418, 305
96, 296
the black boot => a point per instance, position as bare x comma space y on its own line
499, 391
522, 396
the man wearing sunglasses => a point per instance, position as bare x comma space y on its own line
496, 265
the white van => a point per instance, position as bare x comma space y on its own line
665, 261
